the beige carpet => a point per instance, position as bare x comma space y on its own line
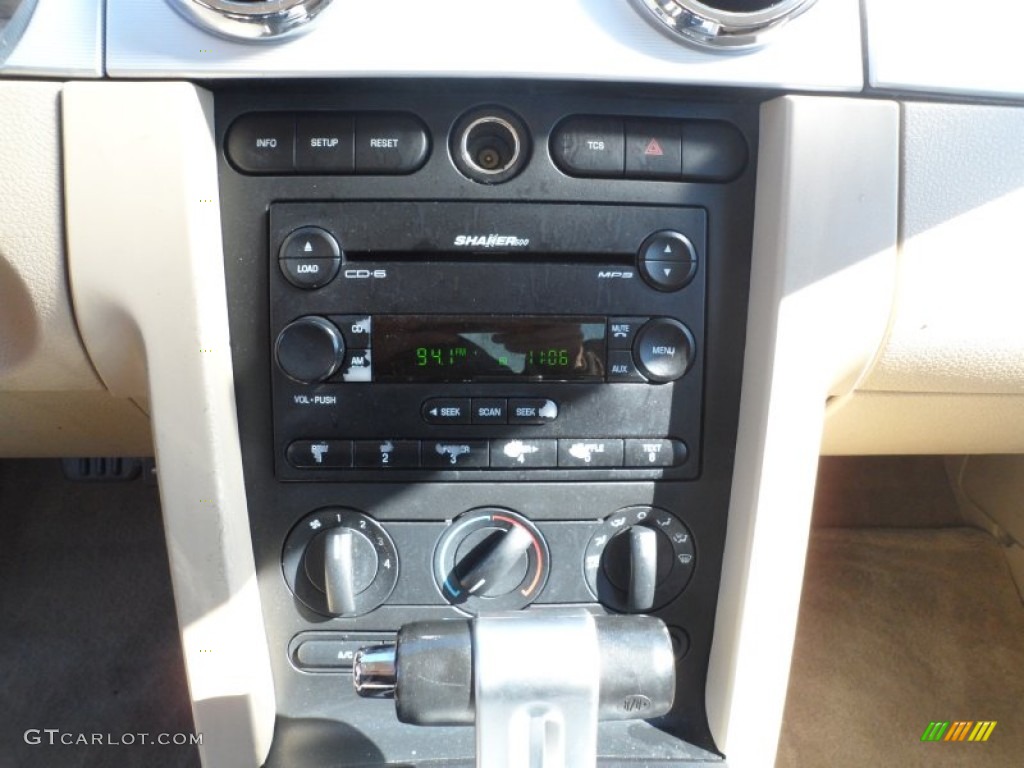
884, 492
899, 628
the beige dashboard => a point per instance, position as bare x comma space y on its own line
946, 375
884, 318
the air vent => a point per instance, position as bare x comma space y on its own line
14, 17
254, 20
723, 25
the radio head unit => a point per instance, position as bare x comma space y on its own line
578, 328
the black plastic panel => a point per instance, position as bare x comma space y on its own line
577, 261
320, 720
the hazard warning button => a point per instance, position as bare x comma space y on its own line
653, 149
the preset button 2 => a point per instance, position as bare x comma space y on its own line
387, 454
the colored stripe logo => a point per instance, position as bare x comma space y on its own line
959, 730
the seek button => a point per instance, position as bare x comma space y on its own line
446, 410
532, 411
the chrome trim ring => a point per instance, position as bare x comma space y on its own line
14, 18
693, 22
256, 20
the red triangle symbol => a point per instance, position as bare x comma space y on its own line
654, 148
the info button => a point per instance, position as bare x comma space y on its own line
446, 410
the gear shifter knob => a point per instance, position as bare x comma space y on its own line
439, 669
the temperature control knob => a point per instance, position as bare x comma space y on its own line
491, 559
339, 562
639, 560
310, 349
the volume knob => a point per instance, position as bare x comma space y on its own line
310, 349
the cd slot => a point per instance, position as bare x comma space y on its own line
490, 256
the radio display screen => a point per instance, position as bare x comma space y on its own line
414, 348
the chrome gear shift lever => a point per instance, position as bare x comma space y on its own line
534, 683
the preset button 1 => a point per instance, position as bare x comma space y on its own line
320, 454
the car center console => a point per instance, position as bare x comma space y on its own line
488, 344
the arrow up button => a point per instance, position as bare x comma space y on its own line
668, 260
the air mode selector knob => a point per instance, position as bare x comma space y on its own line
639, 560
310, 349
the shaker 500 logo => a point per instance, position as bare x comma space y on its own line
491, 241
